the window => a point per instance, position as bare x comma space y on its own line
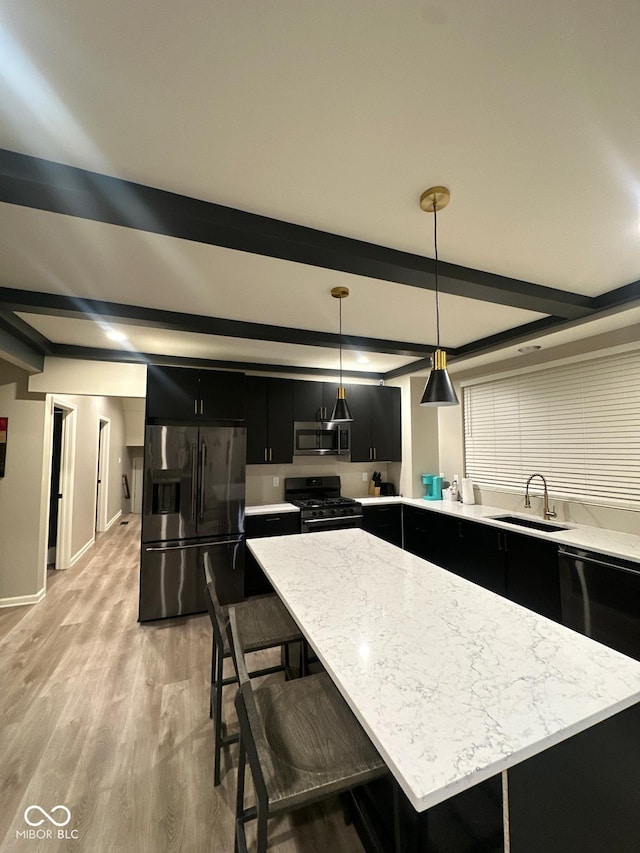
577, 424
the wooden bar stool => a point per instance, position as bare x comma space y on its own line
302, 742
264, 623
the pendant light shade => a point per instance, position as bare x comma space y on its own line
340, 412
439, 390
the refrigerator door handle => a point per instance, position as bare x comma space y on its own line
194, 479
203, 462
194, 545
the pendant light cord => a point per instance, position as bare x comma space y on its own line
435, 243
340, 301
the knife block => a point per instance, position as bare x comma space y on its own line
374, 491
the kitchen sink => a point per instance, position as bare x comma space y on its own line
529, 522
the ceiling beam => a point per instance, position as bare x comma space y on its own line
53, 304
96, 354
14, 349
45, 185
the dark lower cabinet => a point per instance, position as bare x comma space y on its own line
468, 549
533, 574
480, 556
385, 522
257, 527
419, 531
580, 796
519, 567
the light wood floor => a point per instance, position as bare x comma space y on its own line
110, 718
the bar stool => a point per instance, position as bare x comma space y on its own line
302, 742
264, 623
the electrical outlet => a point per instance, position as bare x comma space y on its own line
365, 476
276, 482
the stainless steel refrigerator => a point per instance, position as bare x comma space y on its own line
193, 503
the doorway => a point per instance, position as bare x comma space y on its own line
102, 477
61, 480
54, 490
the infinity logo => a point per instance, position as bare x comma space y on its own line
47, 816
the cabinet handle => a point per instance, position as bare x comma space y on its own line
375, 454
270, 455
274, 518
265, 454
505, 540
202, 407
499, 541
195, 407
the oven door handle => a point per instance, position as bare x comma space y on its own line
332, 519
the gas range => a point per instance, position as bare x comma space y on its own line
321, 505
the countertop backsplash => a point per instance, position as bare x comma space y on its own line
260, 478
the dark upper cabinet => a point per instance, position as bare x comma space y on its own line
184, 393
269, 419
375, 431
222, 395
313, 401
172, 392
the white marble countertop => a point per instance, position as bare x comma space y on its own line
453, 683
600, 540
267, 509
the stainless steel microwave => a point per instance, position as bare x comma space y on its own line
321, 439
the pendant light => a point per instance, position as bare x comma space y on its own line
439, 390
340, 411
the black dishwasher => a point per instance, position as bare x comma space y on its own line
601, 598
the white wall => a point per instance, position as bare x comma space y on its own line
260, 488
22, 525
91, 378
89, 411
24, 491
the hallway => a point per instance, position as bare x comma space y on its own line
109, 718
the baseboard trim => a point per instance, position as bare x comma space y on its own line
113, 520
82, 551
21, 600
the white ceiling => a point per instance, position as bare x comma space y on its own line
336, 116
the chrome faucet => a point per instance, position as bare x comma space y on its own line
546, 512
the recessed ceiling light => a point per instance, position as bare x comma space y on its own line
116, 336
531, 348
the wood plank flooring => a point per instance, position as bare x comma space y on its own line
110, 719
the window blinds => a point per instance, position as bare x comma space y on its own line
577, 424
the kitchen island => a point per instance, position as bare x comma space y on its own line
456, 685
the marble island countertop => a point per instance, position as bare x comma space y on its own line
600, 540
452, 683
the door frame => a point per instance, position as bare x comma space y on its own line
67, 479
102, 472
